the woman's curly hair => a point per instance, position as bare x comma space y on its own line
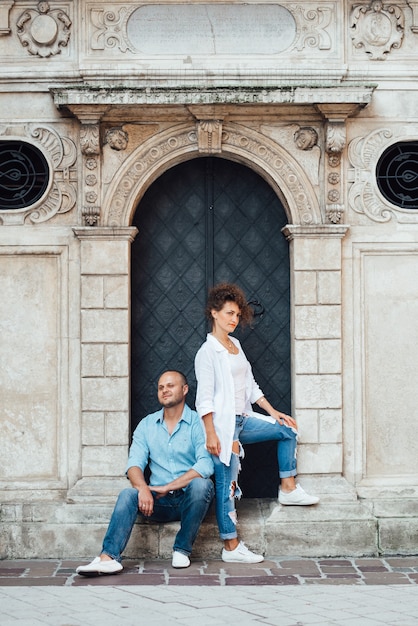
228, 292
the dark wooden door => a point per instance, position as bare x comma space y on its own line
202, 222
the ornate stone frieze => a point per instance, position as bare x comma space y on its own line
377, 28
173, 145
62, 191
44, 31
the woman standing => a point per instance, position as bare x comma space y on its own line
226, 389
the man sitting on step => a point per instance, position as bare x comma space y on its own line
172, 442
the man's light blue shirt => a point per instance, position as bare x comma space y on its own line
170, 456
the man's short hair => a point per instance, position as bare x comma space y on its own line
183, 376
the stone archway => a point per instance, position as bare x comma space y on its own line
238, 143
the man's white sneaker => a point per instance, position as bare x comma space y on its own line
297, 497
241, 554
97, 567
180, 560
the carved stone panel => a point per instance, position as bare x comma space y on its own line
44, 31
377, 28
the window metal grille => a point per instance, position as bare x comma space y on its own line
24, 175
397, 174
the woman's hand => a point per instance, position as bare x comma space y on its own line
286, 419
213, 445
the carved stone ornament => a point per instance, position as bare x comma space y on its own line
363, 195
62, 195
377, 28
209, 136
154, 155
89, 139
306, 138
335, 137
44, 32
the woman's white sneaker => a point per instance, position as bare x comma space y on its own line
241, 554
297, 497
97, 567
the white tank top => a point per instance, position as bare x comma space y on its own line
238, 365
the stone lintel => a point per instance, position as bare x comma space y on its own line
316, 231
106, 233
89, 104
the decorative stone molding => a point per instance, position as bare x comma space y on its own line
90, 148
44, 32
4, 17
335, 142
209, 136
62, 191
377, 28
174, 145
364, 196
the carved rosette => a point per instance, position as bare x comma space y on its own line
172, 145
90, 148
377, 28
44, 31
62, 194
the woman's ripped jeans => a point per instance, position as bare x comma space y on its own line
249, 430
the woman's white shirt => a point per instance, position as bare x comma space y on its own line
216, 391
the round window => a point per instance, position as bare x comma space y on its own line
397, 174
24, 175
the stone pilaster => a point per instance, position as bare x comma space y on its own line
105, 330
316, 333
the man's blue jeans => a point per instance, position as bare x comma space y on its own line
249, 430
189, 506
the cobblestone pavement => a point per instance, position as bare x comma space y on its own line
278, 592
273, 571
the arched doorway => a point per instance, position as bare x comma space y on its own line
204, 221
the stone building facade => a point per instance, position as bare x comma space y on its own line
102, 98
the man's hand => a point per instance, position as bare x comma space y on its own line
145, 501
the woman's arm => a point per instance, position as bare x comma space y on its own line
213, 445
263, 403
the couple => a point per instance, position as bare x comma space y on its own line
182, 455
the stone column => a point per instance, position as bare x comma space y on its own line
316, 340
105, 366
